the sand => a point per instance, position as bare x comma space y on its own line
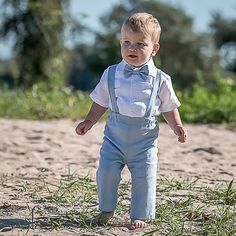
28, 148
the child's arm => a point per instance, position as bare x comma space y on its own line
175, 123
94, 114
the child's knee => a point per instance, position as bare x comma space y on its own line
107, 173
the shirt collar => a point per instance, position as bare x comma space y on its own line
151, 67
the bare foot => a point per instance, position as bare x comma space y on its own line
137, 224
103, 217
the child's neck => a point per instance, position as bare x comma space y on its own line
139, 65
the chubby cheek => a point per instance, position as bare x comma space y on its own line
124, 53
145, 55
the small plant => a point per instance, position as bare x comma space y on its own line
3, 179
222, 195
183, 207
203, 104
43, 102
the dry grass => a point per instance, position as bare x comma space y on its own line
183, 208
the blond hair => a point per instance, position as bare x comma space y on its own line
144, 23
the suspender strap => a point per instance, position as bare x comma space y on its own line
111, 87
151, 105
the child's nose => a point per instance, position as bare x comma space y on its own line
132, 47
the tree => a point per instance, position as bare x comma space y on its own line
180, 53
224, 33
38, 29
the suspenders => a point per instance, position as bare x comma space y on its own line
111, 88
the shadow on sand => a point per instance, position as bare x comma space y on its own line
9, 224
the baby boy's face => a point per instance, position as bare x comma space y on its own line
137, 48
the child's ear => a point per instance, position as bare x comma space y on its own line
155, 49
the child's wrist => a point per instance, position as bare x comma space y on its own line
89, 121
178, 125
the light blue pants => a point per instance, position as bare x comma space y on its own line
132, 142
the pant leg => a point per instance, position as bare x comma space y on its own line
143, 169
109, 175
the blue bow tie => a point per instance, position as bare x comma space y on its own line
142, 72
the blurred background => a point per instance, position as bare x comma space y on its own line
53, 52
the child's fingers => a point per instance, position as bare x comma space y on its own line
182, 135
80, 130
83, 128
181, 139
86, 129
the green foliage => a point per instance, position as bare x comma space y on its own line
43, 102
41, 29
38, 29
181, 52
224, 34
224, 29
216, 104
191, 209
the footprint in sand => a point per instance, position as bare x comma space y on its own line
11, 208
48, 158
210, 150
34, 137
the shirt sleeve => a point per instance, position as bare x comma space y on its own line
100, 94
169, 100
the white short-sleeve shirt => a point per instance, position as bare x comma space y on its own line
133, 93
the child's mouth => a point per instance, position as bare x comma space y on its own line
132, 56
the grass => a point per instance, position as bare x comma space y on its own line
183, 207
203, 104
43, 102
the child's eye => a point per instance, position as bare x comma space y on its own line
126, 43
141, 44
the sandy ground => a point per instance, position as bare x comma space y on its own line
28, 147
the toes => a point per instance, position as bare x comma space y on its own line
132, 227
137, 224
142, 225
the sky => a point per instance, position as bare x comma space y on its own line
199, 10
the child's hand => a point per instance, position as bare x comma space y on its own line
83, 127
181, 132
